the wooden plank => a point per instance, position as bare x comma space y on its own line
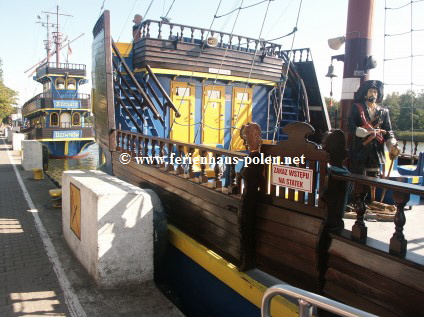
225, 213
343, 295
289, 218
195, 50
288, 274
286, 258
380, 297
218, 244
294, 205
393, 287
296, 235
168, 180
374, 260
277, 242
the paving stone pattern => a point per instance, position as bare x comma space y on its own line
28, 284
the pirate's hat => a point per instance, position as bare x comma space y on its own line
361, 93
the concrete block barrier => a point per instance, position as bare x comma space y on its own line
17, 139
32, 155
108, 224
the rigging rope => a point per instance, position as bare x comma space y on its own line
250, 74
287, 72
241, 8
166, 15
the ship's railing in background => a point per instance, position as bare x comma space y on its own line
191, 34
299, 55
406, 153
59, 96
307, 301
64, 65
71, 69
149, 150
401, 195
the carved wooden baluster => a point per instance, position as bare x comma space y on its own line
118, 141
134, 145
256, 45
416, 146
247, 46
160, 30
148, 29
170, 166
192, 35
359, 230
301, 56
182, 36
129, 143
202, 32
143, 35
239, 43
233, 188
153, 152
221, 41
140, 146
203, 178
217, 183
190, 170
161, 154
230, 41
170, 31
146, 147
398, 243
180, 169
404, 146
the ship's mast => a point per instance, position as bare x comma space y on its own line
357, 50
57, 35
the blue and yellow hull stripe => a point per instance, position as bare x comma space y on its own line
227, 273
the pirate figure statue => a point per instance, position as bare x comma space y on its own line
369, 123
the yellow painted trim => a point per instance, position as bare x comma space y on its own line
66, 149
43, 109
50, 123
73, 76
207, 76
228, 273
76, 139
415, 179
64, 83
72, 119
124, 48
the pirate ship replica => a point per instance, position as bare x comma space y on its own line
184, 91
56, 117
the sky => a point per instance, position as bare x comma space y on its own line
22, 38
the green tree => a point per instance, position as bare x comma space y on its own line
392, 102
8, 98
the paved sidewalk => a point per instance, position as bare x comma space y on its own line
28, 283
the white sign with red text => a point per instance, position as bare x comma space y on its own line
292, 177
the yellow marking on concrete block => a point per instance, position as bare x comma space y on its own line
38, 173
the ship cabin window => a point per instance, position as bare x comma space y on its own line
54, 119
76, 119
60, 83
71, 84
242, 96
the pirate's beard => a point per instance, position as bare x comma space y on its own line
371, 99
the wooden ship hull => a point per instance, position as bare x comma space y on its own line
233, 231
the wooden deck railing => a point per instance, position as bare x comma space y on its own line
192, 34
401, 195
160, 150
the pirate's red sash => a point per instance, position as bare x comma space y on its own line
368, 126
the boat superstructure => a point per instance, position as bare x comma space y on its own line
57, 116
264, 201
